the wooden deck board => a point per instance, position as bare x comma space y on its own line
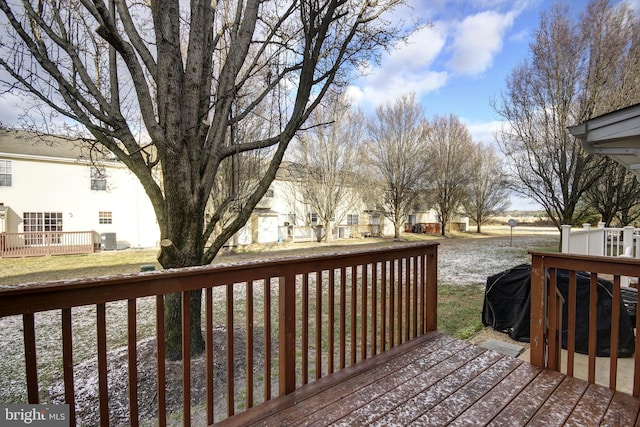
592, 407
417, 407
384, 395
451, 407
623, 411
493, 402
436, 380
556, 410
399, 368
525, 405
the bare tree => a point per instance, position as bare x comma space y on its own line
488, 189
329, 154
396, 152
446, 163
575, 71
610, 36
615, 195
169, 87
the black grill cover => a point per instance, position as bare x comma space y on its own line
507, 308
507, 302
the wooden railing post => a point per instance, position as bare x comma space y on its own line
432, 289
537, 311
287, 333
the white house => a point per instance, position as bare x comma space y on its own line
51, 184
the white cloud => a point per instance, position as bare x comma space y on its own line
462, 43
397, 85
405, 69
484, 132
421, 49
477, 40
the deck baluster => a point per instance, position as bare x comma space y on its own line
287, 333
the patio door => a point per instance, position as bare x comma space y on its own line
39, 225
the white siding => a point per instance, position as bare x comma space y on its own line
65, 186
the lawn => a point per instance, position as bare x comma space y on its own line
14, 271
459, 310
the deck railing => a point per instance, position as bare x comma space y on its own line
296, 319
546, 313
601, 240
46, 243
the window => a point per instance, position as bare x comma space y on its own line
105, 218
38, 224
412, 219
33, 222
53, 221
6, 179
352, 219
98, 179
313, 218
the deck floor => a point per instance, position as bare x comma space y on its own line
437, 380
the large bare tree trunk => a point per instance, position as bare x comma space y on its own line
184, 93
173, 324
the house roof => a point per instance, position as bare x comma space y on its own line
25, 144
615, 134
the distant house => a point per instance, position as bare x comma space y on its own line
55, 184
283, 214
52, 184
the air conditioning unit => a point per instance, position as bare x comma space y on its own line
109, 242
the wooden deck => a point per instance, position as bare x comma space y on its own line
437, 380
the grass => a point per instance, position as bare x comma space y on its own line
15, 271
459, 307
460, 310
460, 293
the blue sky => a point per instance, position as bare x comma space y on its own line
459, 63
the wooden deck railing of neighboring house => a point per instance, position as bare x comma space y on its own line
17, 245
546, 313
315, 315
423, 227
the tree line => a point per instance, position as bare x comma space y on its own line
397, 161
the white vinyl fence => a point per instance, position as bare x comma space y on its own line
602, 241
